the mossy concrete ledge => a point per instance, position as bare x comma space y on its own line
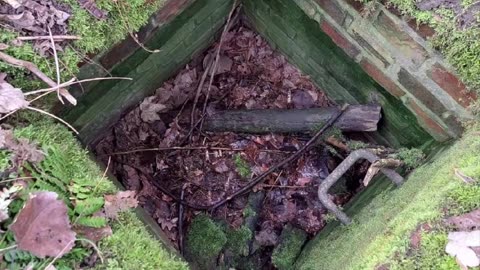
384, 217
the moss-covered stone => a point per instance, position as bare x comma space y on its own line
287, 251
238, 239
205, 240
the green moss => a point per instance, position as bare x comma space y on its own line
355, 145
131, 247
460, 47
431, 254
97, 35
284, 255
384, 216
205, 239
237, 240
412, 157
249, 212
242, 166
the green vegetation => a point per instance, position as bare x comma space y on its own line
284, 255
237, 240
68, 170
411, 158
131, 246
97, 35
205, 239
242, 166
460, 47
384, 216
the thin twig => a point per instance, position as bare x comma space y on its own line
57, 65
55, 37
195, 100
187, 148
286, 161
72, 82
94, 247
30, 66
55, 117
8, 248
16, 179
60, 254
180, 221
217, 57
277, 186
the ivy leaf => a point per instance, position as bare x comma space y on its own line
11, 98
42, 226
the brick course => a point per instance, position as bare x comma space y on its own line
381, 78
435, 129
339, 39
451, 84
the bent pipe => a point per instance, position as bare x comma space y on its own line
341, 170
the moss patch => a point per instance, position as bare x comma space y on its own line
242, 166
284, 255
237, 240
384, 216
97, 35
205, 239
129, 246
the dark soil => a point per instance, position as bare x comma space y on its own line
252, 76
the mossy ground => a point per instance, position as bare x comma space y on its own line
96, 36
130, 245
385, 216
284, 255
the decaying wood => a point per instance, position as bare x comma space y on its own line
340, 171
55, 37
356, 118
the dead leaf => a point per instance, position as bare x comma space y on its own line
371, 172
93, 234
167, 223
465, 222
266, 237
11, 98
25, 151
119, 202
92, 8
42, 226
220, 166
24, 20
224, 63
6, 139
3, 46
149, 110
465, 255
469, 239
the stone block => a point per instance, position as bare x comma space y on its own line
357, 5
451, 84
381, 78
403, 45
371, 49
425, 119
339, 39
333, 9
417, 89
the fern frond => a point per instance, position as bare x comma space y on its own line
89, 206
96, 222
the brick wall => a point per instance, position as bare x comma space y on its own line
394, 52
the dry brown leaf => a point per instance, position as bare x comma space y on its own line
6, 139
149, 110
42, 227
465, 178
93, 234
119, 202
11, 98
468, 221
92, 8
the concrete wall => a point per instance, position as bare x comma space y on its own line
393, 51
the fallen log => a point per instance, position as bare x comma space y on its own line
355, 118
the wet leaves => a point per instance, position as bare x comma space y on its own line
459, 245
42, 227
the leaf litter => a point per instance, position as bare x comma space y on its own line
251, 75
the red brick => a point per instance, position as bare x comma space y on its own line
356, 4
381, 78
424, 30
400, 39
431, 125
339, 39
332, 9
451, 84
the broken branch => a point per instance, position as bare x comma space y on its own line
57, 37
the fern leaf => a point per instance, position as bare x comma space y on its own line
89, 206
96, 222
